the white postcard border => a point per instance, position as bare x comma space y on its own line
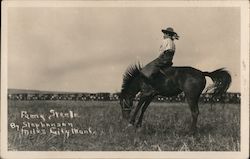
244, 5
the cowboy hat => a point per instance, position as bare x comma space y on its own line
169, 30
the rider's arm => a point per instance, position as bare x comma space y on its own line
163, 46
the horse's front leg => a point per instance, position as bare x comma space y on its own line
145, 106
140, 103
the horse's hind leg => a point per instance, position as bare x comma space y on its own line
193, 104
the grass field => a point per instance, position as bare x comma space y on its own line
165, 128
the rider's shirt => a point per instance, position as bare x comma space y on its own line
167, 44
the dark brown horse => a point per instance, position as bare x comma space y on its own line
168, 82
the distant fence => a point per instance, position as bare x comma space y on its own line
205, 98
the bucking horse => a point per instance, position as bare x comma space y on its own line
168, 82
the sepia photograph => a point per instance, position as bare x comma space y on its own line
125, 79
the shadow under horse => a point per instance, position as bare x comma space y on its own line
168, 82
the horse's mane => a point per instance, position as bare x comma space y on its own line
131, 72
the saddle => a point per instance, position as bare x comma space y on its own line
163, 61
155, 67
152, 81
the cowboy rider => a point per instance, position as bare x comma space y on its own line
167, 50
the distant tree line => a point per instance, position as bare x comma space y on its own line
205, 98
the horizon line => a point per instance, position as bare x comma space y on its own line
37, 90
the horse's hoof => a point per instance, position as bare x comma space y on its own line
193, 132
138, 126
139, 129
130, 125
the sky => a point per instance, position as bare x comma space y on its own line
88, 49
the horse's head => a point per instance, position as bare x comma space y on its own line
130, 87
126, 106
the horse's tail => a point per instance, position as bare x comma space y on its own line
222, 80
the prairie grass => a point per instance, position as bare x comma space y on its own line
165, 128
